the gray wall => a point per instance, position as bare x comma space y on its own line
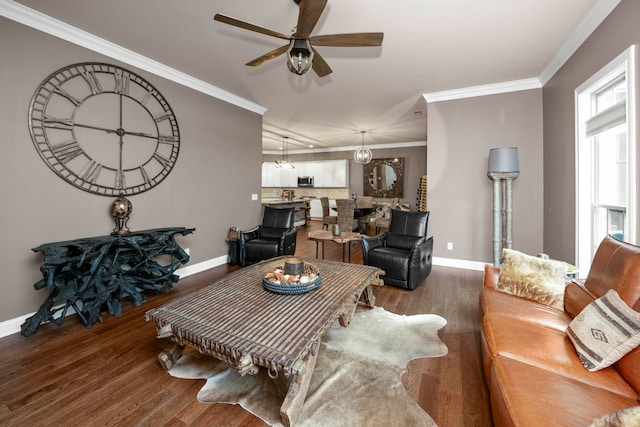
221, 144
619, 31
415, 163
461, 133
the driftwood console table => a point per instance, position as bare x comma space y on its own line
93, 274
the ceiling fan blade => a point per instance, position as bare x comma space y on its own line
267, 56
247, 26
348, 40
319, 65
310, 11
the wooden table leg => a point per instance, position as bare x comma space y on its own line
170, 355
293, 401
368, 296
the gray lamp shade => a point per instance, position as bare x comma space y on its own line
503, 160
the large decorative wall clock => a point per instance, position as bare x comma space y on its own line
104, 129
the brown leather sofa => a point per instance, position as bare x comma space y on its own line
533, 373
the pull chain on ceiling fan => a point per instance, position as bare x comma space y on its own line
301, 54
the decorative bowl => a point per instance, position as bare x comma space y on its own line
280, 282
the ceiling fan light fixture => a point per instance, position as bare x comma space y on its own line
363, 155
299, 56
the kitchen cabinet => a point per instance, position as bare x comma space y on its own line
326, 173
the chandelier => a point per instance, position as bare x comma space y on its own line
285, 163
363, 154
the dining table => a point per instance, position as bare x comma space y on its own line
358, 214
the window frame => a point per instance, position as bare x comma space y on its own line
623, 64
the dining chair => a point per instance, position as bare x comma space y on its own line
327, 218
346, 221
365, 202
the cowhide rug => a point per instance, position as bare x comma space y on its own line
356, 381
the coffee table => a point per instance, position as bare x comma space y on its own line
241, 323
327, 236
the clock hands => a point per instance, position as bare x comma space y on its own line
119, 131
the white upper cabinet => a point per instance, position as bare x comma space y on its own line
326, 173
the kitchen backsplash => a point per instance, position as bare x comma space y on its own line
301, 192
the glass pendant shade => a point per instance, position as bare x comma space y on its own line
299, 56
362, 155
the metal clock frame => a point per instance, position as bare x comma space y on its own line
65, 155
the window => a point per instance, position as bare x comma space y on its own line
605, 158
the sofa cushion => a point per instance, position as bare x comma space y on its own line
616, 265
623, 417
628, 368
523, 394
548, 348
604, 331
532, 278
576, 298
492, 301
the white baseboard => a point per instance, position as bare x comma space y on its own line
459, 263
12, 326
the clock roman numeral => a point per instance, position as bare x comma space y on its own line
75, 101
91, 172
164, 162
167, 139
122, 83
67, 151
92, 81
57, 123
161, 117
146, 97
120, 181
145, 176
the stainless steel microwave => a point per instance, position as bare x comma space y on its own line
305, 181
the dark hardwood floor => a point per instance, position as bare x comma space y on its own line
109, 374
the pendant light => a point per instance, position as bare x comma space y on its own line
363, 154
285, 163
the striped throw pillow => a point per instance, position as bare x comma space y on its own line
604, 331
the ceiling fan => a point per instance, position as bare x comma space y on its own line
301, 54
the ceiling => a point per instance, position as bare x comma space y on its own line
430, 46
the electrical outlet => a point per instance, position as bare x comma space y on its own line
254, 196
449, 246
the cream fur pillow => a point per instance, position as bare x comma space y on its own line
622, 418
532, 278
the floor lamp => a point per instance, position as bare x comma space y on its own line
503, 170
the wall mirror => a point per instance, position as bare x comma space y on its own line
384, 177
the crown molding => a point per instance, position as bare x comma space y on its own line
39, 21
594, 18
587, 26
491, 89
351, 148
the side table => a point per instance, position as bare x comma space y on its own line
344, 238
